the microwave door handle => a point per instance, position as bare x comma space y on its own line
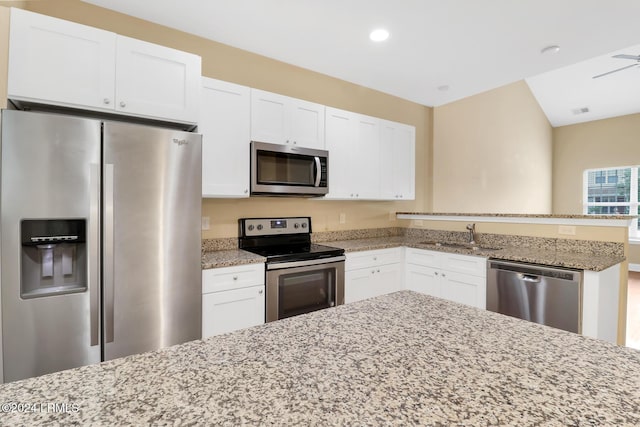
318, 171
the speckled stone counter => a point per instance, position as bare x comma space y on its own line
229, 258
399, 359
577, 260
578, 254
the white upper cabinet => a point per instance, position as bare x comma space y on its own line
397, 161
156, 81
341, 143
58, 62
369, 158
225, 112
353, 142
279, 119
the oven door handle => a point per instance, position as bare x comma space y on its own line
305, 263
318, 171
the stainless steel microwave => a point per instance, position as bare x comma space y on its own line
283, 170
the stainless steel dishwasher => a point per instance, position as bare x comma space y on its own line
550, 296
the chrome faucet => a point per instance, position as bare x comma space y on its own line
472, 234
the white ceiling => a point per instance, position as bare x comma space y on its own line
468, 45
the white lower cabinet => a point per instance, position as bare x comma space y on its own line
372, 273
454, 277
232, 298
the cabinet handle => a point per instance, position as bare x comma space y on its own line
444, 275
378, 270
294, 142
260, 291
436, 273
235, 277
373, 272
357, 195
246, 191
123, 104
106, 101
287, 141
375, 258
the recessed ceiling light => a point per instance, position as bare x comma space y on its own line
581, 110
379, 35
550, 49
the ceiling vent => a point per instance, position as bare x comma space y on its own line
578, 111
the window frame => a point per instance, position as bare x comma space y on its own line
633, 202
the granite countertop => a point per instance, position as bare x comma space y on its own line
581, 261
513, 215
229, 258
398, 359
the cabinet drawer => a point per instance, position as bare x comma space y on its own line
424, 257
232, 310
466, 264
237, 277
364, 259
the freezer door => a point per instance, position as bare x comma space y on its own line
50, 296
152, 207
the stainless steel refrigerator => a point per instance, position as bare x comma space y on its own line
100, 240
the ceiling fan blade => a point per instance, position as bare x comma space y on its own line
634, 57
614, 71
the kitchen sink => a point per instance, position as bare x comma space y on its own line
461, 246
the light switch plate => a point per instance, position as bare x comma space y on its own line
205, 222
343, 218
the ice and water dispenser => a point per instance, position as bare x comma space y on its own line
54, 253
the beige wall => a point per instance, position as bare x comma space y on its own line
238, 66
597, 144
492, 154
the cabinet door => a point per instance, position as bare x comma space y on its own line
425, 280
60, 62
268, 117
224, 124
229, 311
388, 278
397, 161
464, 289
340, 141
306, 124
365, 160
358, 285
404, 162
156, 81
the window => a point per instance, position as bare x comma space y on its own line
613, 191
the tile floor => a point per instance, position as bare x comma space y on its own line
633, 311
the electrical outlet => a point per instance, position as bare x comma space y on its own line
567, 229
205, 222
417, 222
343, 218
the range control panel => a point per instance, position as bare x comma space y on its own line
275, 226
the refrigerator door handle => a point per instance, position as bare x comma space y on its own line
94, 252
108, 264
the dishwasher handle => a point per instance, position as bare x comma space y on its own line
529, 278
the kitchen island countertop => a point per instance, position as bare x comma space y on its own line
401, 359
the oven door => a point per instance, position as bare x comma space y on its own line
303, 286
